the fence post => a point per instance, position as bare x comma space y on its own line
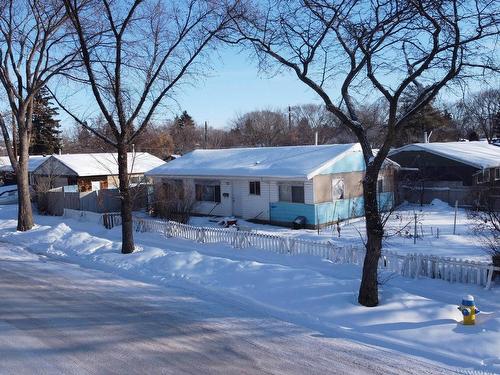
200, 235
455, 219
491, 270
284, 246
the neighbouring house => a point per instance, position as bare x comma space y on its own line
273, 184
90, 172
451, 171
7, 175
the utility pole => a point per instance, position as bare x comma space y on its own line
205, 142
289, 118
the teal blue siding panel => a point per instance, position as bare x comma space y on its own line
286, 212
350, 163
385, 201
348, 208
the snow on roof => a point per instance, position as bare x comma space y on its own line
478, 154
33, 163
101, 164
281, 162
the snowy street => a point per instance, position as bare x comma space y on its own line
56, 317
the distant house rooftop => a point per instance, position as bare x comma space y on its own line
301, 162
478, 154
33, 163
101, 164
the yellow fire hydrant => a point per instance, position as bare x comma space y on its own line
468, 310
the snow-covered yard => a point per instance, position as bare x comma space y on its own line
415, 316
434, 230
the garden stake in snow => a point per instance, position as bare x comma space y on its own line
468, 310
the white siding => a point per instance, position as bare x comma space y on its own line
239, 202
249, 206
275, 194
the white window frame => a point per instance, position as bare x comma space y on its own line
255, 184
290, 186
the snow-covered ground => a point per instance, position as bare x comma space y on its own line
433, 220
418, 317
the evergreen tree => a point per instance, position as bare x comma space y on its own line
428, 120
184, 121
46, 137
185, 134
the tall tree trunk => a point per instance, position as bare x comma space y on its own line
368, 290
126, 201
25, 213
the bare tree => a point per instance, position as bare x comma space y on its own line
173, 200
136, 54
478, 111
33, 37
260, 128
350, 51
485, 219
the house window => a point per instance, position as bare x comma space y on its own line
254, 187
497, 173
338, 188
291, 193
207, 192
173, 189
135, 179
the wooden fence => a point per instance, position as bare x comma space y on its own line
100, 201
410, 265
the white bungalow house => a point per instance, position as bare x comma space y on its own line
93, 171
274, 184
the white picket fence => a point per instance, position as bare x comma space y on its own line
410, 265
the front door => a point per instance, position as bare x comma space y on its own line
237, 200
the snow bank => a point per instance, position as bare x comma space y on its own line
415, 316
438, 203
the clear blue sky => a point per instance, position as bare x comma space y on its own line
235, 87
232, 87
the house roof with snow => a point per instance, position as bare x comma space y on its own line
33, 163
478, 154
279, 162
103, 164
